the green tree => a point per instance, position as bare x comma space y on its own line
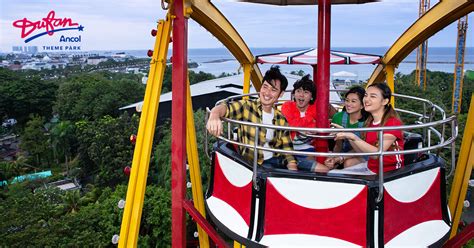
71, 201
92, 96
104, 147
193, 78
23, 95
160, 169
62, 139
34, 140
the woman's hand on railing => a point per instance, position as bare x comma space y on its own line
345, 135
335, 125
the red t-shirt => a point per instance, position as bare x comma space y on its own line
390, 162
293, 115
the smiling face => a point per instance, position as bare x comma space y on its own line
374, 101
353, 103
269, 94
302, 98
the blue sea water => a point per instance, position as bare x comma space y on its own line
219, 60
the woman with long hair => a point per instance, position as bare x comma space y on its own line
353, 115
381, 114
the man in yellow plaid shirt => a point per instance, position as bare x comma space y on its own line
262, 110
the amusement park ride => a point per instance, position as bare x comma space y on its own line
259, 207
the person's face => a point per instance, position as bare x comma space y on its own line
353, 104
374, 101
269, 94
302, 98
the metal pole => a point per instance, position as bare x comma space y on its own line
380, 196
178, 126
255, 159
322, 74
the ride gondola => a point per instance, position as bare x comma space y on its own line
262, 207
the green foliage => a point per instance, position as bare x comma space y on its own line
160, 169
193, 78
63, 141
94, 95
199, 76
23, 95
11, 169
104, 147
156, 220
41, 219
34, 139
439, 91
298, 73
26, 216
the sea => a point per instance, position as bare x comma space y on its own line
220, 60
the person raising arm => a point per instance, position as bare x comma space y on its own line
264, 111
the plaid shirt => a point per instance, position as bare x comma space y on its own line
251, 111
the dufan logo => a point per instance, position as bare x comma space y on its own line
50, 24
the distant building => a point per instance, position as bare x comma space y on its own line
120, 57
66, 184
95, 60
25, 49
15, 67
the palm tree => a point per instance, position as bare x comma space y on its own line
71, 201
62, 136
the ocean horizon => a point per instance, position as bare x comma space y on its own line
220, 60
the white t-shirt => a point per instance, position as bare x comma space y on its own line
301, 141
267, 118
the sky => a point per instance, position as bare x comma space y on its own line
126, 24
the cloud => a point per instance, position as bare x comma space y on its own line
126, 24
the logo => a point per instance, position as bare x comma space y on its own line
50, 24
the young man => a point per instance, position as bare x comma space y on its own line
302, 112
262, 110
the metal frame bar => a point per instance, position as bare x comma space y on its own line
203, 223
427, 127
178, 125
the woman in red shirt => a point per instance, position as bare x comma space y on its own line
382, 114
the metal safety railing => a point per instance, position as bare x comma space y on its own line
425, 123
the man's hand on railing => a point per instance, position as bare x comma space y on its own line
214, 125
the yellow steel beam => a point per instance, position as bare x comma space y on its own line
146, 130
247, 71
208, 16
463, 171
390, 70
194, 169
238, 245
439, 16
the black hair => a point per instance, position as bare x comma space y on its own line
274, 74
306, 84
360, 92
389, 110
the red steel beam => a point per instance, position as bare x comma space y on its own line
202, 222
461, 238
322, 71
178, 125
